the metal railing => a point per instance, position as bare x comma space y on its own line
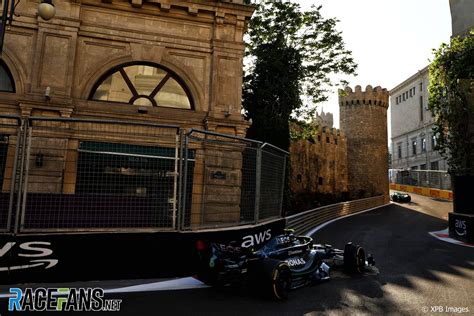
305, 221
230, 181
69, 175
435, 179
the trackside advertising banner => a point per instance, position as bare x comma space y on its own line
102, 256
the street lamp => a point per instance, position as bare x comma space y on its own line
46, 11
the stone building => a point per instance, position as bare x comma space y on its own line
363, 119
462, 16
319, 165
173, 63
413, 140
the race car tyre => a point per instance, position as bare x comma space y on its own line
354, 258
277, 278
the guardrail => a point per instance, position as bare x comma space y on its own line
305, 221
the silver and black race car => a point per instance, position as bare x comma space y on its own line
284, 263
400, 197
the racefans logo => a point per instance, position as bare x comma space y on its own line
61, 299
37, 254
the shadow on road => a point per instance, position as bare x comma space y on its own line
416, 271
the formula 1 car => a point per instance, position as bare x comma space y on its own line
284, 263
400, 197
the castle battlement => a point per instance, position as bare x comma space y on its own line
326, 130
371, 96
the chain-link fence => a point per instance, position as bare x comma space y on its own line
63, 174
422, 178
99, 175
230, 181
10, 136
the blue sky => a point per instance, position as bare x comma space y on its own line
390, 39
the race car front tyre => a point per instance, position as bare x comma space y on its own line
354, 258
277, 278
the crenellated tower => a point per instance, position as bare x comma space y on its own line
363, 119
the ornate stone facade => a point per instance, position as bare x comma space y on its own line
111, 60
201, 42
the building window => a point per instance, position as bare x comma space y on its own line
423, 145
124, 170
414, 168
423, 167
413, 147
433, 142
319, 138
411, 93
327, 140
320, 181
421, 108
414, 91
143, 85
335, 141
6, 79
396, 100
434, 165
421, 86
399, 151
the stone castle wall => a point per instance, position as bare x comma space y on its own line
320, 165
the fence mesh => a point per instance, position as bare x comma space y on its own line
272, 177
422, 178
100, 175
61, 175
231, 180
10, 128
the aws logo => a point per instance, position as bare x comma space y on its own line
256, 239
35, 252
460, 227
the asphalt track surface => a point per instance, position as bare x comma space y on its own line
416, 273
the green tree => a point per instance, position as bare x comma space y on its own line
451, 72
292, 55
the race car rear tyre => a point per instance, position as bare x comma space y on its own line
277, 278
354, 258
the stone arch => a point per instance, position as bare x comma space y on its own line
188, 79
16, 69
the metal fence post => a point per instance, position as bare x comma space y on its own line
180, 183
27, 171
283, 178
24, 131
175, 181
184, 182
13, 177
258, 174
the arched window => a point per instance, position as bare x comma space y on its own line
6, 80
143, 85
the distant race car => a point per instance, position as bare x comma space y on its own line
284, 263
400, 197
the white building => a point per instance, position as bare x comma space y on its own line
413, 140
462, 16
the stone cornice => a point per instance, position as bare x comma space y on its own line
192, 7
